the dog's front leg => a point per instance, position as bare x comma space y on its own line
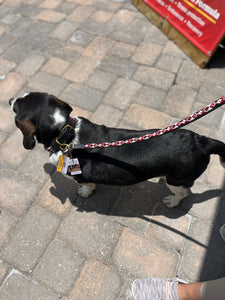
85, 189
179, 194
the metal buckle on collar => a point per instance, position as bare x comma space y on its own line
64, 146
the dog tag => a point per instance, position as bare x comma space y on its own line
68, 166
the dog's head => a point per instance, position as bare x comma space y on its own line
39, 115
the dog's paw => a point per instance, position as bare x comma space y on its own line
171, 201
85, 190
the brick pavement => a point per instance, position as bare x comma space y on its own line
114, 67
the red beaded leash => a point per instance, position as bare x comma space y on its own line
193, 117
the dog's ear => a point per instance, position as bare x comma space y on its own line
28, 131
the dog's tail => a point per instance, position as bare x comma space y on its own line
216, 147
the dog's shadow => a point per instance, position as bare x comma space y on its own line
139, 200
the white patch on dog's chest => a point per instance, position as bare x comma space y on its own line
58, 117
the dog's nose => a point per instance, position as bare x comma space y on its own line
11, 101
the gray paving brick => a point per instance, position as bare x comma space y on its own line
17, 192
119, 66
101, 80
180, 100
135, 204
82, 96
121, 93
93, 234
59, 267
150, 97
154, 77
137, 255
45, 82
191, 75
7, 224
96, 281
195, 250
129, 36
18, 286
31, 238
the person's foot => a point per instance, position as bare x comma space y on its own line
155, 288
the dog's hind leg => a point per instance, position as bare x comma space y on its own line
179, 193
85, 189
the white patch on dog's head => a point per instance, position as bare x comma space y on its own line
58, 117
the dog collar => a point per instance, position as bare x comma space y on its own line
65, 137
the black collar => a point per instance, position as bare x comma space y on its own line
65, 137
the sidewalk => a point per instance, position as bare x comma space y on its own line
115, 68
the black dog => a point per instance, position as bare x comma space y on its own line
180, 156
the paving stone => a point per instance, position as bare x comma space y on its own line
135, 204
83, 68
30, 239
7, 123
179, 101
10, 86
96, 281
59, 267
8, 153
119, 66
129, 36
123, 17
81, 14
3, 270
173, 50
154, 77
106, 115
155, 35
169, 226
93, 234
191, 75
145, 118
121, 93
7, 224
144, 257
31, 64
64, 30
82, 96
18, 286
81, 38
56, 66
37, 160
195, 250
17, 53
150, 97
6, 41
215, 76
50, 16
164, 63
96, 28
58, 194
102, 16
203, 201
210, 92
212, 120
98, 48
5, 67
50, 4
101, 80
122, 50
147, 54
45, 82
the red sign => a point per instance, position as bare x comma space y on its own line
200, 21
